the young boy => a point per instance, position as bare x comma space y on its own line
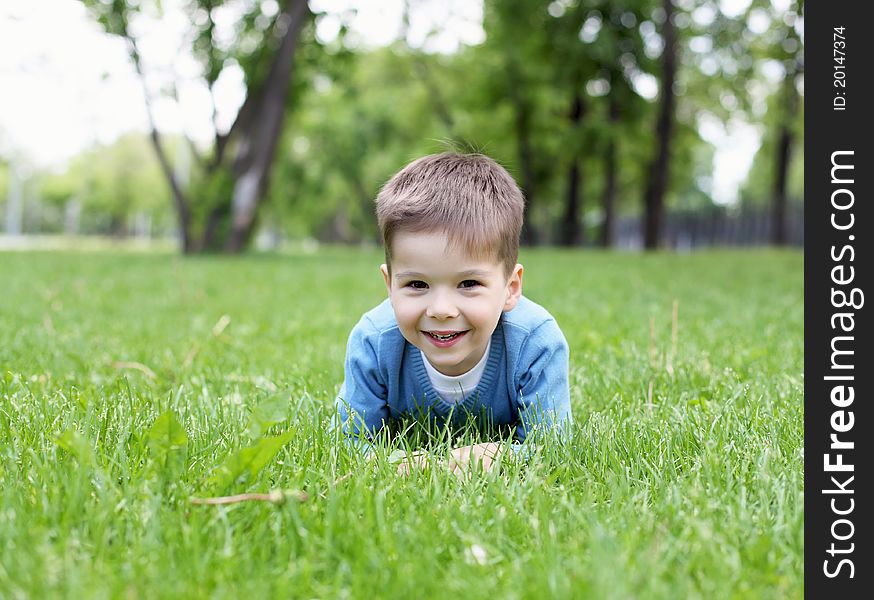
455, 339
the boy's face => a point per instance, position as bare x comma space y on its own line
447, 303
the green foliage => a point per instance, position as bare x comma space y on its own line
356, 115
112, 183
210, 192
77, 445
679, 483
4, 178
246, 463
343, 143
205, 216
167, 435
168, 442
371, 111
759, 186
780, 47
269, 412
114, 15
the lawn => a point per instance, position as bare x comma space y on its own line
130, 383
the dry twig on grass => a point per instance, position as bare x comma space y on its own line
135, 365
274, 496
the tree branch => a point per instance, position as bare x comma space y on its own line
179, 199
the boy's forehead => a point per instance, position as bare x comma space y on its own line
432, 251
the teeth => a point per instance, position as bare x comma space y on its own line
443, 338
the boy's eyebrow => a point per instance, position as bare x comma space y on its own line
474, 273
405, 274
469, 273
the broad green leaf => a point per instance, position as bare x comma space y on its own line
270, 411
168, 444
167, 435
76, 444
248, 461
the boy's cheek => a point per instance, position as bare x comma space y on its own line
400, 306
406, 321
411, 335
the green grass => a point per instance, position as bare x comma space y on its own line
694, 491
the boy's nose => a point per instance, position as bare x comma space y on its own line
441, 307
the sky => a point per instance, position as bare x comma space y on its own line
66, 85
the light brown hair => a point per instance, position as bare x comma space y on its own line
469, 197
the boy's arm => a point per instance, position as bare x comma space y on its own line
361, 405
543, 398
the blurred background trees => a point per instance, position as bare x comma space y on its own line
607, 112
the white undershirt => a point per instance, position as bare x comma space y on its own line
454, 389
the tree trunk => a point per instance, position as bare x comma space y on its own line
118, 226
210, 240
779, 235
522, 122
180, 202
608, 201
785, 146
257, 147
230, 193
530, 235
659, 168
254, 135
572, 232
365, 200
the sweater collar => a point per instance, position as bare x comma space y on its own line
486, 382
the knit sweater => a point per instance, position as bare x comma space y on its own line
524, 386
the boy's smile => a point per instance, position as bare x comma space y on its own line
446, 302
445, 339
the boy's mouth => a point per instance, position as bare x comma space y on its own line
445, 338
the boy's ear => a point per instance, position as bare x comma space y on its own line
386, 277
514, 288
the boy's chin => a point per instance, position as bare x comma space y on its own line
448, 365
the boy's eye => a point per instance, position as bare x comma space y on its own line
418, 285
468, 283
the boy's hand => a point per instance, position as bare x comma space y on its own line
462, 460
414, 461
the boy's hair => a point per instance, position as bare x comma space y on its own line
469, 197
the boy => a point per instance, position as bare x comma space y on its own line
455, 339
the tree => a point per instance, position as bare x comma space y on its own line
659, 167
220, 209
789, 52
610, 32
777, 175
515, 33
572, 67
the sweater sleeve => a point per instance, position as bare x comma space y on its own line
543, 399
362, 404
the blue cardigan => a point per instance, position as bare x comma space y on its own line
524, 385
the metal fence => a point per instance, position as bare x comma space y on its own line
687, 230
682, 230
